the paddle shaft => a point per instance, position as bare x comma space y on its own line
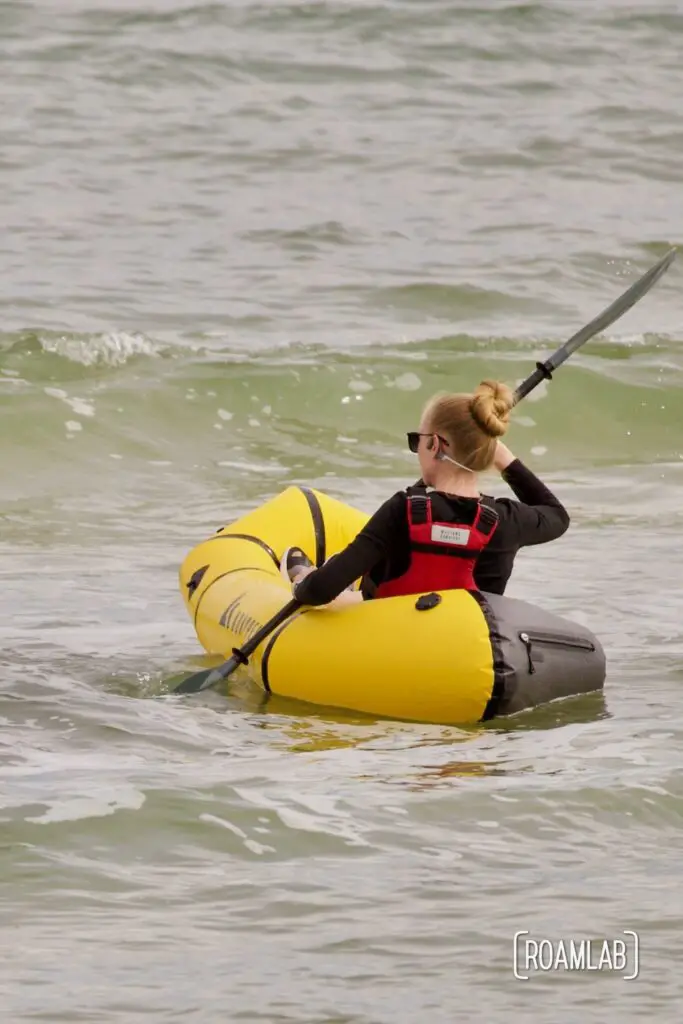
617, 309
241, 654
608, 316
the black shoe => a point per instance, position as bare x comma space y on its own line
293, 559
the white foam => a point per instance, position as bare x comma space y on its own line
76, 808
224, 823
359, 385
321, 815
539, 449
223, 414
73, 425
253, 467
251, 844
79, 406
407, 382
112, 349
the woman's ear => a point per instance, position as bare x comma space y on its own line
430, 444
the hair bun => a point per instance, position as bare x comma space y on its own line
490, 407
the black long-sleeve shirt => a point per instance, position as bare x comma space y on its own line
381, 550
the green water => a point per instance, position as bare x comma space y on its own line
242, 243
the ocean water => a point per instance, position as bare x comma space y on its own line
241, 244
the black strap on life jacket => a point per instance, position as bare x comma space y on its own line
485, 521
488, 517
419, 508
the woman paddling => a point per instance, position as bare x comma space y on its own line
442, 534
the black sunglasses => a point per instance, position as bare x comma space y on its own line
414, 439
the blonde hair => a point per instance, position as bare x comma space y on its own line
470, 423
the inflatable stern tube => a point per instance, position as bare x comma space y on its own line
538, 656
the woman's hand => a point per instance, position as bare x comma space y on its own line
503, 457
300, 573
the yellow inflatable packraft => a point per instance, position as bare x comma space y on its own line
455, 657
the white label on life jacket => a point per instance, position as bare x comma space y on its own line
450, 535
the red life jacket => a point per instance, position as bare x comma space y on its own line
442, 555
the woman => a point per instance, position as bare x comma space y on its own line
442, 533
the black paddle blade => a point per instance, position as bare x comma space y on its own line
608, 316
205, 679
193, 684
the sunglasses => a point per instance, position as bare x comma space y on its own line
414, 439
